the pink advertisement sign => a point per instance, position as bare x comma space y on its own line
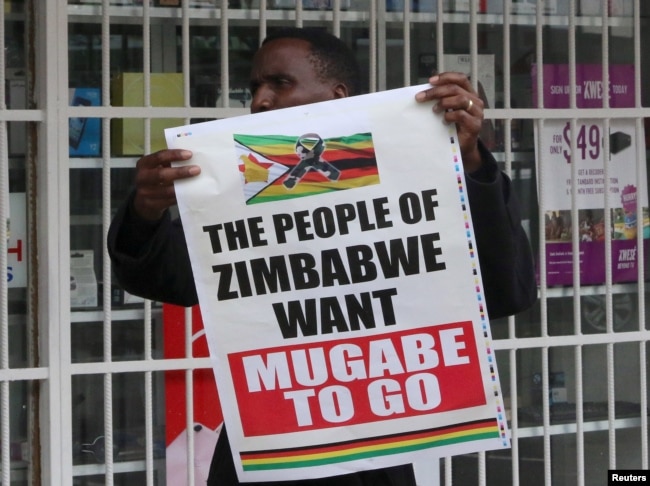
598, 178
589, 86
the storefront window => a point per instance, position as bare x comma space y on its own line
572, 367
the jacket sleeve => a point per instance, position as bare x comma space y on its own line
504, 251
151, 260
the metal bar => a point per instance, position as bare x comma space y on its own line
299, 14
571, 340
5, 422
641, 286
473, 51
106, 191
148, 398
211, 112
548, 473
263, 19
611, 395
52, 253
185, 54
225, 72
139, 366
577, 324
382, 38
372, 47
473, 45
440, 44
336, 16
507, 134
406, 37
189, 396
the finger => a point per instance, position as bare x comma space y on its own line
464, 101
163, 157
465, 121
156, 169
159, 196
166, 176
157, 179
452, 78
446, 85
453, 96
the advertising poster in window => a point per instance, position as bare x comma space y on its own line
16, 240
628, 223
335, 264
204, 428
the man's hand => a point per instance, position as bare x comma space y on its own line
154, 181
453, 94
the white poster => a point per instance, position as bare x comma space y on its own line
339, 285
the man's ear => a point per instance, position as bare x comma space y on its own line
341, 91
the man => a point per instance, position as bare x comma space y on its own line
294, 67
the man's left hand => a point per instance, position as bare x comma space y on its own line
454, 96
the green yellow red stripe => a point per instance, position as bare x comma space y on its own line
374, 447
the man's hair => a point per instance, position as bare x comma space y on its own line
331, 57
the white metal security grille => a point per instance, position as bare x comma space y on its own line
99, 371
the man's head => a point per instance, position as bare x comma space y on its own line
298, 66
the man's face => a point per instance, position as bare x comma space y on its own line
283, 76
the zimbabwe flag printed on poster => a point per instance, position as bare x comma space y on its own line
277, 167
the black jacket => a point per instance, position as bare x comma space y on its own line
151, 260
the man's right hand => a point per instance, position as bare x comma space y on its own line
154, 181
